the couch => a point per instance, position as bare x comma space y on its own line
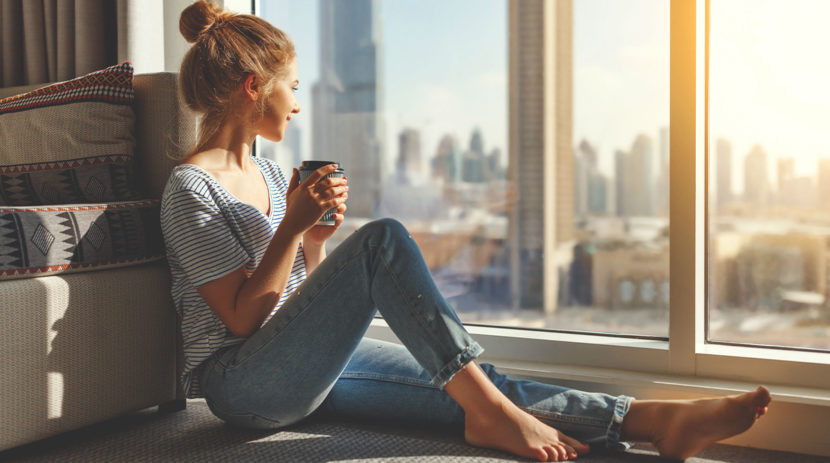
82, 347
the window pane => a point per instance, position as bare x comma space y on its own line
416, 106
769, 180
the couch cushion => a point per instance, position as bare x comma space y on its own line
69, 142
44, 240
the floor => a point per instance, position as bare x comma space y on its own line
195, 435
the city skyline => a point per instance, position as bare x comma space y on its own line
608, 245
782, 109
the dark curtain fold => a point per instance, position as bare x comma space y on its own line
51, 40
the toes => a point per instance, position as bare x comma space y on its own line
564, 453
762, 397
574, 445
570, 453
761, 411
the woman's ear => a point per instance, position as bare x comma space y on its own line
250, 87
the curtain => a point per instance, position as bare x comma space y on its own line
53, 40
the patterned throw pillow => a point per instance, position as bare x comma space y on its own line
43, 240
70, 142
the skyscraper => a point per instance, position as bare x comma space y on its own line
620, 158
408, 167
590, 186
723, 174
598, 194
347, 98
786, 182
473, 161
635, 179
540, 150
756, 178
581, 181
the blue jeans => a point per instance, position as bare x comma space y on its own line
312, 354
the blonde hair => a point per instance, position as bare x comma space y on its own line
227, 47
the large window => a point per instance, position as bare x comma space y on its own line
416, 105
526, 145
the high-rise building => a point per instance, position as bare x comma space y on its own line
620, 159
540, 166
590, 185
347, 98
756, 178
786, 182
635, 179
446, 160
473, 168
409, 167
477, 141
723, 173
493, 165
583, 157
598, 188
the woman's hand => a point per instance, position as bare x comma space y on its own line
318, 234
307, 202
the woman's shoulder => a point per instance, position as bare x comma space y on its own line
189, 178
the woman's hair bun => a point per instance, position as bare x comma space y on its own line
198, 18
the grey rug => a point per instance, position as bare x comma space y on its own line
195, 435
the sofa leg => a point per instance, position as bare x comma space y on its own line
173, 406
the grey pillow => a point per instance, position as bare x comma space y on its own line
44, 240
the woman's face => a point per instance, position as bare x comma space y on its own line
280, 105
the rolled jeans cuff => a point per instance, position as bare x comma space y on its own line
614, 432
446, 373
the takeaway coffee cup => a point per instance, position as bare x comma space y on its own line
306, 168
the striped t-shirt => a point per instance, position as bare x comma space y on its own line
209, 233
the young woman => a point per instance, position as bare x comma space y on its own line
273, 328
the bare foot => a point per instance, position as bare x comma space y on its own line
511, 429
691, 426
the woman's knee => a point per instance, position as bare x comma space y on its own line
386, 229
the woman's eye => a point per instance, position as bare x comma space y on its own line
296, 88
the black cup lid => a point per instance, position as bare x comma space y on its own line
314, 165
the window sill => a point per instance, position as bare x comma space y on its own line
544, 347
628, 380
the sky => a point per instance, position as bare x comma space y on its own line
444, 65
427, 85
768, 80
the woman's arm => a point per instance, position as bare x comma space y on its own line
314, 254
242, 302
314, 240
